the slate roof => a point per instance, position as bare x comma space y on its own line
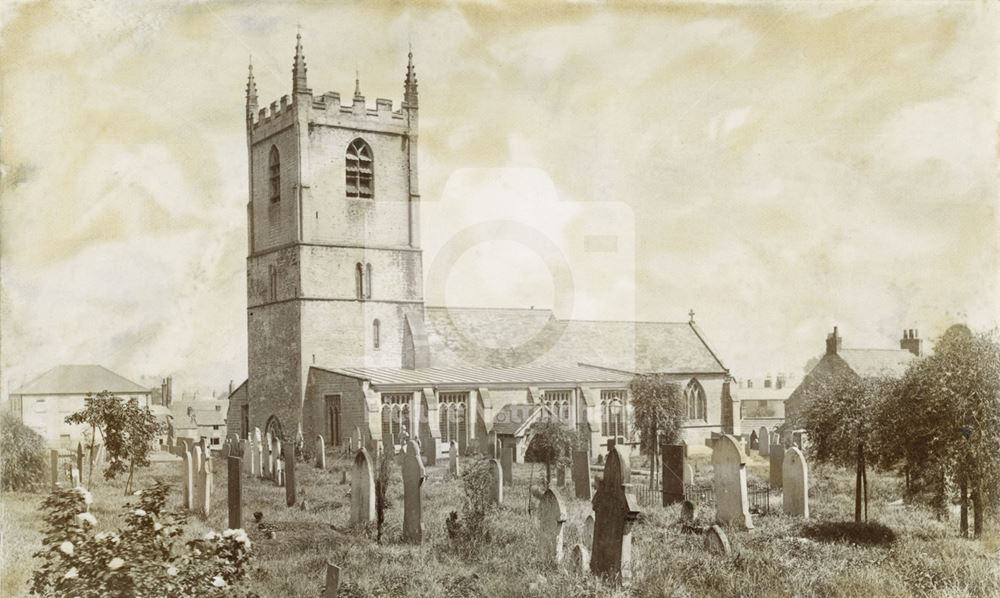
499, 337
202, 410
485, 376
874, 362
79, 379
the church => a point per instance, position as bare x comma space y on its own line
341, 343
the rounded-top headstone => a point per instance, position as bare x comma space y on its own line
687, 511
716, 541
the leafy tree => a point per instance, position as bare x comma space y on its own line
22, 451
839, 413
944, 421
128, 432
552, 444
659, 411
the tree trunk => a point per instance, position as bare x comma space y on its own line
128, 483
977, 511
857, 488
864, 481
93, 440
963, 519
548, 475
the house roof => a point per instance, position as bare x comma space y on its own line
874, 362
500, 337
469, 375
79, 379
203, 412
514, 418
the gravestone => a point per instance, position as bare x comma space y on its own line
507, 463
453, 466
776, 460
357, 437
753, 441
288, 473
258, 453
583, 485
54, 467
687, 511
280, 463
579, 559
267, 457
234, 492
413, 480
730, 473
332, 581
496, 487
205, 481
588, 531
362, 490
673, 472
764, 442
197, 488
688, 474
716, 541
614, 513
187, 479
430, 451
74, 477
320, 452
786, 438
551, 517
276, 462
245, 454
795, 483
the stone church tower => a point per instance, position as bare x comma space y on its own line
334, 272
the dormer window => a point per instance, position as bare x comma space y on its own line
360, 170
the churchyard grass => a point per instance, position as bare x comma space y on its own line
906, 553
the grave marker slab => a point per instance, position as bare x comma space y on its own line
362, 490
496, 488
730, 473
430, 452
507, 463
187, 479
614, 513
234, 492
288, 473
206, 481
413, 480
795, 483
776, 465
674, 457
320, 452
717, 542
687, 511
332, 581
688, 474
197, 488
551, 517
588, 531
583, 484
764, 442
74, 476
453, 466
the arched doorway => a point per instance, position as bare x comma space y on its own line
273, 426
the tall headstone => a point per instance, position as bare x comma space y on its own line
234, 494
688, 474
74, 476
197, 488
362, 490
430, 451
206, 480
795, 483
507, 462
583, 485
764, 442
54, 467
588, 531
289, 474
267, 456
187, 479
730, 473
551, 517
615, 511
776, 459
673, 459
320, 452
276, 476
496, 486
413, 480
258, 453
245, 454
332, 581
453, 466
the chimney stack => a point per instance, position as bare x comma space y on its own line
911, 342
833, 342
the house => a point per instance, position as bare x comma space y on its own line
44, 403
199, 419
762, 400
339, 335
857, 362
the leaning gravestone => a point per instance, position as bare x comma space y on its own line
453, 466
588, 531
673, 472
187, 479
615, 512
496, 486
776, 465
288, 472
320, 452
579, 559
730, 473
507, 462
413, 480
795, 483
764, 442
716, 541
234, 492
362, 490
551, 517
583, 485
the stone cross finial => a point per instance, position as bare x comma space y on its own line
413, 480
615, 511
691, 315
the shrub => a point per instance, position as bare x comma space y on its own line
552, 444
476, 483
23, 453
141, 559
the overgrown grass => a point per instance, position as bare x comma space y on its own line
782, 556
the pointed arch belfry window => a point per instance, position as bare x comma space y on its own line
359, 280
696, 403
376, 333
274, 174
360, 170
368, 281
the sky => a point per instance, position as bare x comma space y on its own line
779, 168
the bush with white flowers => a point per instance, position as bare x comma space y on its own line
144, 558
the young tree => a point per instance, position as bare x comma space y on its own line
839, 413
658, 411
552, 445
382, 478
22, 451
128, 432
